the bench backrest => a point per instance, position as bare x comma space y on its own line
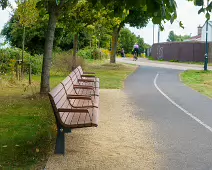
58, 99
77, 73
79, 68
68, 85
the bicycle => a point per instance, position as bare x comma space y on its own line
135, 55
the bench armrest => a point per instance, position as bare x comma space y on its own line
86, 80
84, 97
88, 72
86, 75
83, 87
72, 110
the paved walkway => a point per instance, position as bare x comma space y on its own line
163, 64
181, 117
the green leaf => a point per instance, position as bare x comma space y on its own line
201, 10
181, 24
207, 15
145, 8
198, 2
57, 2
156, 20
209, 7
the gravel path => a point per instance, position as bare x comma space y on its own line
121, 141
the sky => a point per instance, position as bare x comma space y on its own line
186, 11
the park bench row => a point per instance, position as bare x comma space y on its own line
75, 102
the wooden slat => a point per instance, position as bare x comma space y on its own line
82, 118
93, 112
75, 118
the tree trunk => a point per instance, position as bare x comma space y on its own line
22, 55
47, 59
30, 74
114, 45
75, 51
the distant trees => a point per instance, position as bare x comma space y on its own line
128, 39
111, 14
172, 37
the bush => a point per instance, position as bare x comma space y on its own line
62, 62
94, 53
129, 55
85, 53
9, 56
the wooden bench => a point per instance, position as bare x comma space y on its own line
91, 86
73, 107
86, 75
82, 95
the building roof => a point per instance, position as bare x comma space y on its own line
194, 38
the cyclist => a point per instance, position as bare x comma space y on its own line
135, 51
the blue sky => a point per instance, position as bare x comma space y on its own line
187, 13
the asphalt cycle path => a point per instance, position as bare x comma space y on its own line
182, 117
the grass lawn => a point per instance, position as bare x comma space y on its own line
200, 81
27, 124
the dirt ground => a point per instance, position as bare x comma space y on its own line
121, 141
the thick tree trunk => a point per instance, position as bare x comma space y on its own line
47, 59
74, 51
114, 45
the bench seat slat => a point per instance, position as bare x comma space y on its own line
78, 119
94, 112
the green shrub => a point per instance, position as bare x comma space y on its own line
93, 53
129, 55
174, 60
85, 53
62, 62
9, 56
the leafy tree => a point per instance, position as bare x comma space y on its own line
28, 14
76, 19
127, 40
54, 9
172, 37
35, 34
3, 3
140, 42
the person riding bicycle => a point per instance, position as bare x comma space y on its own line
135, 51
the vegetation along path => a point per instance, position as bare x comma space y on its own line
181, 117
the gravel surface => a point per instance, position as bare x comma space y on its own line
121, 141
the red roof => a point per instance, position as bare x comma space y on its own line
195, 37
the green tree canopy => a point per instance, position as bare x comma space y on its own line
172, 37
128, 39
3, 3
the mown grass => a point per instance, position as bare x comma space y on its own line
111, 76
27, 124
200, 81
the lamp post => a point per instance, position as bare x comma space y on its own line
153, 34
206, 46
158, 33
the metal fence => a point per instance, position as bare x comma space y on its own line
181, 51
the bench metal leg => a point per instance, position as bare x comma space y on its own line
60, 142
67, 130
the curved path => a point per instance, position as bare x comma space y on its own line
182, 117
